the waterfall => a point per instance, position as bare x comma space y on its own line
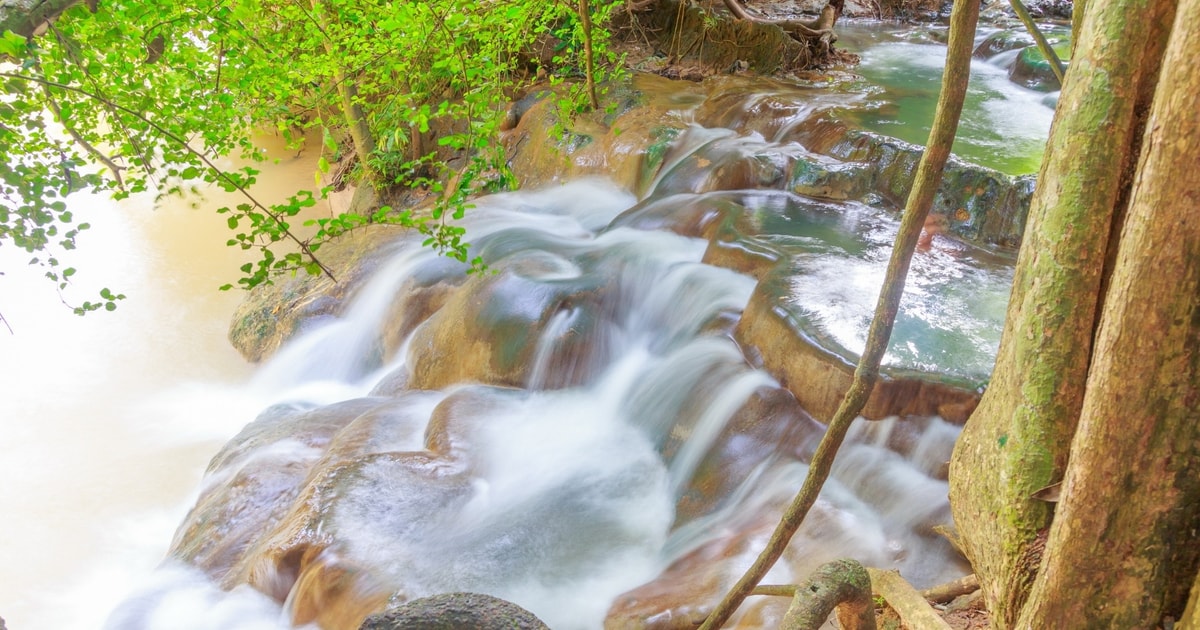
562, 494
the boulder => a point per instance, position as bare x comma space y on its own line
455, 611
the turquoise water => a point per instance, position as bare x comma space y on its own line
1004, 126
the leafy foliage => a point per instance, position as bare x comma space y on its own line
154, 91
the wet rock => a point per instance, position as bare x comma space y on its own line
488, 331
383, 502
272, 314
981, 205
1051, 9
607, 142
759, 135
1033, 71
456, 611
819, 377
1003, 41
770, 426
1021, 56
819, 265
253, 481
687, 590
688, 215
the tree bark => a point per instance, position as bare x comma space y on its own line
1191, 615
841, 585
29, 17
1123, 550
1017, 441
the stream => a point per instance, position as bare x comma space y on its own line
571, 432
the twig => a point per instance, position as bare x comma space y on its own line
87, 146
187, 147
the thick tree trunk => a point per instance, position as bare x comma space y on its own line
1018, 439
1123, 549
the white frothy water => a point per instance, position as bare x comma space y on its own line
565, 499
109, 419
951, 313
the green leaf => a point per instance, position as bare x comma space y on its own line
12, 45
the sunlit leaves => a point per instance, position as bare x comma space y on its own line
154, 91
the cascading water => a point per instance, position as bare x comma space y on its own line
579, 432
557, 499
1003, 125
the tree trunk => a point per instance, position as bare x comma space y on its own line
1018, 439
1123, 549
352, 111
1191, 616
356, 122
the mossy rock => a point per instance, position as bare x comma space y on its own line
1034, 71
456, 611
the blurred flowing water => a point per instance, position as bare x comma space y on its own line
569, 492
1004, 125
578, 486
108, 420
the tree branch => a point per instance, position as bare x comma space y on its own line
96, 154
963, 19
303, 245
841, 585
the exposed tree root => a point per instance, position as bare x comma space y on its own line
915, 612
818, 34
943, 593
843, 586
